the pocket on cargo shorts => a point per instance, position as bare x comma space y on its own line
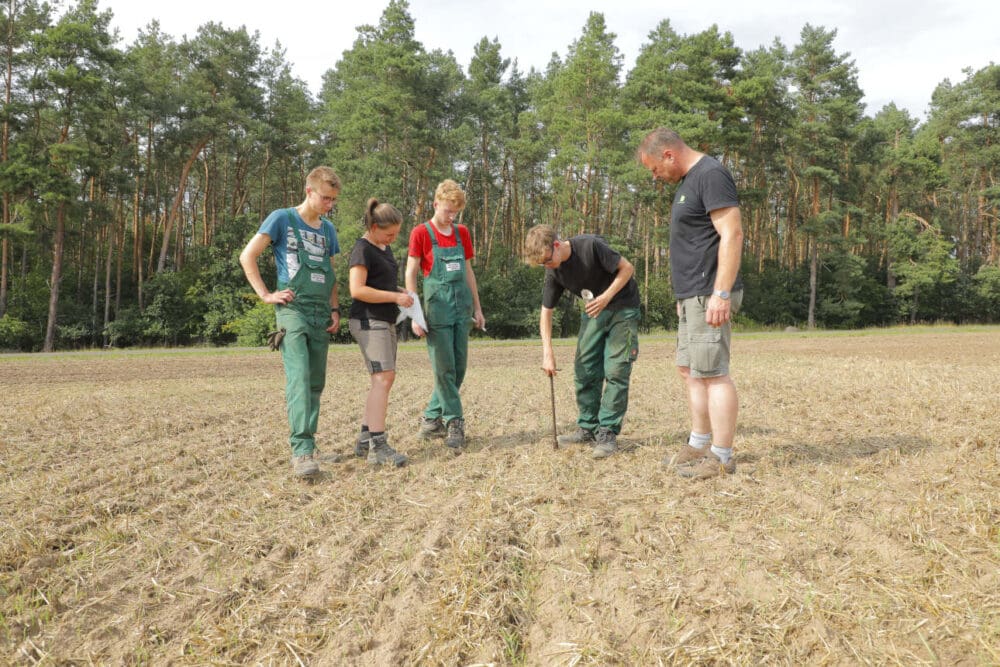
706, 351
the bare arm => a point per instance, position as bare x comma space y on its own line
334, 303
412, 270
361, 291
545, 329
248, 260
729, 225
477, 310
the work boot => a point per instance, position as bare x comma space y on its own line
707, 466
361, 444
432, 428
456, 433
305, 466
580, 436
380, 453
686, 454
607, 443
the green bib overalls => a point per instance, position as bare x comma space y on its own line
605, 351
448, 309
306, 342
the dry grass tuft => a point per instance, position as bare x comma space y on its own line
148, 514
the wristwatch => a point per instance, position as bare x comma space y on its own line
721, 293
335, 309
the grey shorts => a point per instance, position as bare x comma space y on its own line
703, 348
377, 339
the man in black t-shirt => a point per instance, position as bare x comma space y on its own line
609, 328
706, 238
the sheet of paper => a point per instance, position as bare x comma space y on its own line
414, 312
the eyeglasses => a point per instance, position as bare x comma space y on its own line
325, 200
552, 254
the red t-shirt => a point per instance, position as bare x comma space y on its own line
421, 246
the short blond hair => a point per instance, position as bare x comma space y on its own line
538, 243
450, 192
321, 175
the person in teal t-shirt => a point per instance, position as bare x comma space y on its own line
308, 308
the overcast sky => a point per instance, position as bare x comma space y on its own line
902, 48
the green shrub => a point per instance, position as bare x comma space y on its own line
252, 327
13, 333
127, 328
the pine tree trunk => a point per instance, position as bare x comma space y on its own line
118, 264
813, 270
178, 199
95, 287
112, 242
4, 156
55, 277
4, 262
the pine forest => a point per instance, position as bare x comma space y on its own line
133, 174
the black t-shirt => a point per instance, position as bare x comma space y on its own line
694, 242
592, 265
383, 272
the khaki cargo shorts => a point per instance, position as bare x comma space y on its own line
378, 342
703, 348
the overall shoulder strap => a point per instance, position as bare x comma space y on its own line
430, 230
295, 227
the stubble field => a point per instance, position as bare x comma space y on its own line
148, 514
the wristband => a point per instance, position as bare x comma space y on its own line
335, 309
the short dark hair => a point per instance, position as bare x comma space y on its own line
659, 140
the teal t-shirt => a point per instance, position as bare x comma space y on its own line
320, 242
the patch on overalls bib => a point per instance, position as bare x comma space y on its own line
318, 278
452, 266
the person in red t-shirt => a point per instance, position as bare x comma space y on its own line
441, 250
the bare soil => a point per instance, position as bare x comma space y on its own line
149, 515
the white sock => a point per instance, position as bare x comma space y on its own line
724, 453
700, 440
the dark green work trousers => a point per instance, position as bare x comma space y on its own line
607, 346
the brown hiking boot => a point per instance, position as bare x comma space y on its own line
607, 443
432, 428
686, 454
707, 466
305, 466
380, 453
580, 436
456, 433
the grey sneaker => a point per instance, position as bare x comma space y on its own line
432, 428
380, 453
686, 454
580, 436
707, 466
456, 433
607, 443
305, 466
361, 444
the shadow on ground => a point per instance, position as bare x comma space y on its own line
839, 450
